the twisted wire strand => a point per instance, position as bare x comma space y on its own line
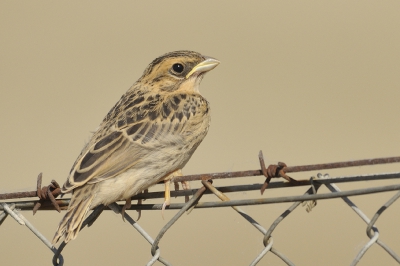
268, 247
23, 221
370, 225
186, 206
10, 208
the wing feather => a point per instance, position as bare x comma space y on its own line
134, 132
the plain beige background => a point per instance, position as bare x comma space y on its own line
305, 81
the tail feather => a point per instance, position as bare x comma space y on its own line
71, 223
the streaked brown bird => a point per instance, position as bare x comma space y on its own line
147, 137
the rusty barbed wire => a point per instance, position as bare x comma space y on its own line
248, 173
290, 169
47, 201
49, 192
63, 203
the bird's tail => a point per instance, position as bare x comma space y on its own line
71, 223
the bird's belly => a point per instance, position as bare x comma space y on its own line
148, 172
171, 154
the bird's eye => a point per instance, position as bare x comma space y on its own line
178, 68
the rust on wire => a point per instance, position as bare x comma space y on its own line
63, 203
45, 193
48, 194
280, 168
290, 169
18, 195
265, 172
273, 170
323, 166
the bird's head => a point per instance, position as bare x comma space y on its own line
180, 70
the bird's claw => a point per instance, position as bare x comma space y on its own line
167, 202
127, 206
139, 202
185, 186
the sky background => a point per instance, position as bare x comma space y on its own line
305, 81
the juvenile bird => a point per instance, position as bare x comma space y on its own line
147, 137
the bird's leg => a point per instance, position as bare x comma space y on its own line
176, 186
167, 196
186, 186
167, 182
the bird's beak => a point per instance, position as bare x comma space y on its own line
206, 65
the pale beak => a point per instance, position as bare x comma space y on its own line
206, 65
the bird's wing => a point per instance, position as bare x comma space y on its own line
135, 132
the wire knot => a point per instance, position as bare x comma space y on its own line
47, 193
273, 171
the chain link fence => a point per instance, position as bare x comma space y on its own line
48, 201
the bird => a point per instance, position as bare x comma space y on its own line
147, 137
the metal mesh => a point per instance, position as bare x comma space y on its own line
308, 199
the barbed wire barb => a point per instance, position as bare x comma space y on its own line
45, 198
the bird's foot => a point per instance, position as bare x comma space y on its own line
128, 204
139, 202
185, 186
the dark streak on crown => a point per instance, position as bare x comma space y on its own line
176, 54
